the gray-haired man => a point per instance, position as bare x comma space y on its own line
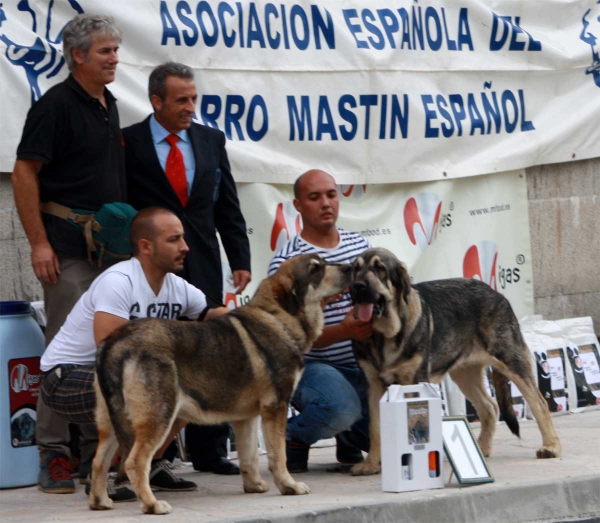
71, 153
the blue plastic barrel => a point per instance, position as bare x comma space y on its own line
21, 347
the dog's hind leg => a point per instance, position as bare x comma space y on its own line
274, 419
107, 446
470, 381
246, 433
518, 370
152, 413
149, 436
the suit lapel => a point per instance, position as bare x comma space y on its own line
144, 149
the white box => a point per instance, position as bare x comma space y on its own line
411, 427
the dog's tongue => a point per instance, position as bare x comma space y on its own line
365, 311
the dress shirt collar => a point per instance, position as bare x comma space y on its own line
159, 133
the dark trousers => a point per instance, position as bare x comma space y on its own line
206, 444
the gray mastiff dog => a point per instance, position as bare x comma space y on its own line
422, 332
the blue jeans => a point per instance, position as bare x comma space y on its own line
332, 401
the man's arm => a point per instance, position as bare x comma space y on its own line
104, 324
217, 311
27, 199
231, 225
350, 328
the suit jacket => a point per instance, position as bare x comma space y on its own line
213, 203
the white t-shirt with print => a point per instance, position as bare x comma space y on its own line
124, 291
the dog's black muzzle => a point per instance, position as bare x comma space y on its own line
361, 293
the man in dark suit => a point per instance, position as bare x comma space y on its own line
182, 166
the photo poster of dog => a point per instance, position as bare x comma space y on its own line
418, 422
518, 402
552, 378
584, 361
547, 344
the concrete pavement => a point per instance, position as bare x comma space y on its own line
525, 489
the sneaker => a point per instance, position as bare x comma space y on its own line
297, 456
162, 478
347, 454
118, 492
55, 475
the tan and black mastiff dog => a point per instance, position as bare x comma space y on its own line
423, 331
234, 367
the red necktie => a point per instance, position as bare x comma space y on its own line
175, 170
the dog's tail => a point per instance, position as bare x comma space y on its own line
110, 381
504, 397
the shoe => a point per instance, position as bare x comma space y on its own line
297, 456
85, 469
347, 454
162, 478
55, 475
223, 467
118, 492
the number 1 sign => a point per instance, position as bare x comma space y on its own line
463, 452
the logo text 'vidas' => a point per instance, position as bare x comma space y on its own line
480, 263
421, 219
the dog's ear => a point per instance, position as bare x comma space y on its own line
570, 353
287, 298
538, 357
403, 280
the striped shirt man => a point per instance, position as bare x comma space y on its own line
350, 246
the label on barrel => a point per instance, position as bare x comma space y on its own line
24, 388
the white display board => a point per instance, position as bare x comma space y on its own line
463, 453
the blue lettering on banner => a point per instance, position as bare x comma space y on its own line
302, 27
369, 116
418, 28
487, 113
253, 124
310, 122
188, 24
503, 27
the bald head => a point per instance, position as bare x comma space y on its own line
317, 202
145, 227
308, 178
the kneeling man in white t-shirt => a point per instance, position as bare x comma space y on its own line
142, 287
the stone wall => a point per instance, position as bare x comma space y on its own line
564, 221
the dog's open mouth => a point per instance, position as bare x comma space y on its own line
365, 311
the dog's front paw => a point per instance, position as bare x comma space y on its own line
257, 487
486, 449
295, 488
366, 469
548, 452
159, 507
100, 503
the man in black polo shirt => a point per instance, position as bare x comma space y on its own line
71, 153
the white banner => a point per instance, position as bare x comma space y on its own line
378, 92
473, 228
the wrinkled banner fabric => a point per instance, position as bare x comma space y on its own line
384, 92
420, 96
